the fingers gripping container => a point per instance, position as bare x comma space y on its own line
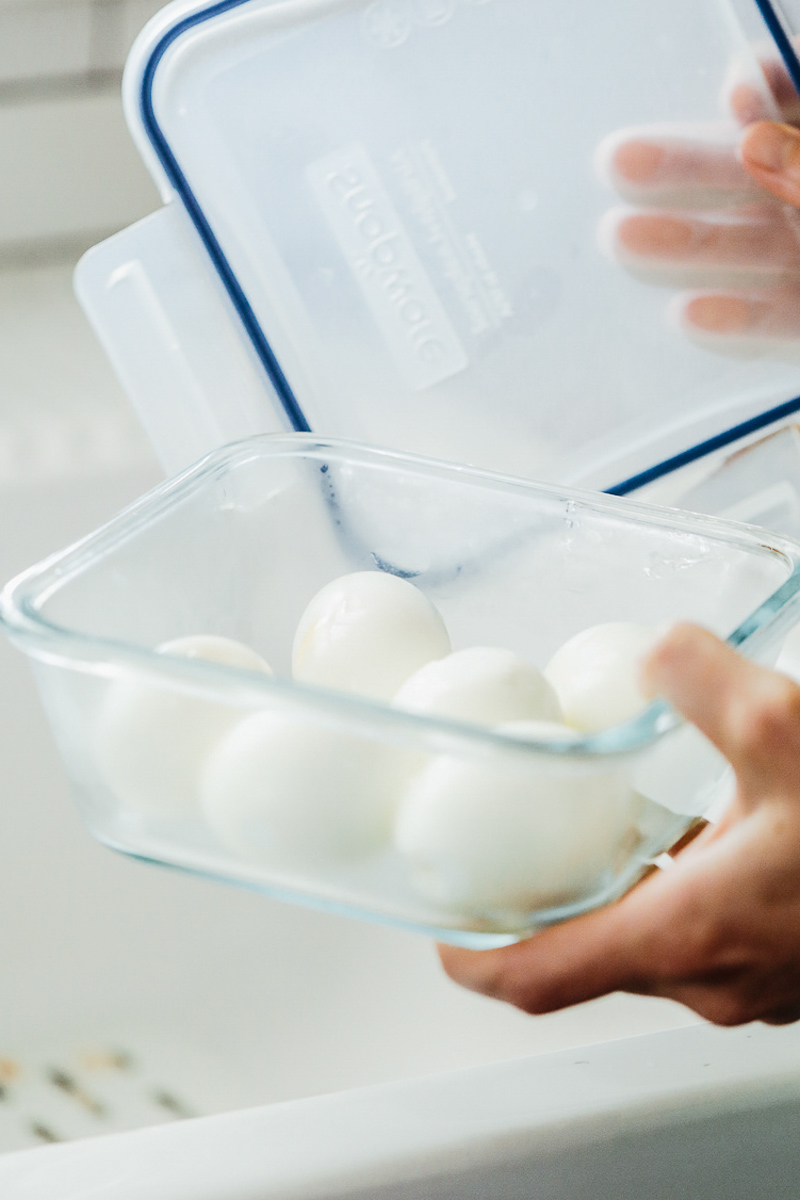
394, 221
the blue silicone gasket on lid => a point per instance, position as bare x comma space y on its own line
178, 180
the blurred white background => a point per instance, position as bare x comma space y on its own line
95, 950
69, 176
75, 173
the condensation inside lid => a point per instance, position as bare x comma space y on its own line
408, 193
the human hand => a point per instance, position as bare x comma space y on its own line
720, 930
711, 215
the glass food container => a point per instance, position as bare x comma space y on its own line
532, 829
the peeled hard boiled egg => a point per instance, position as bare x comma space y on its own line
366, 633
151, 741
482, 837
284, 793
596, 675
484, 684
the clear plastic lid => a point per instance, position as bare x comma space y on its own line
467, 228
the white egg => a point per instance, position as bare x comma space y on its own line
283, 793
484, 684
596, 675
151, 741
366, 633
484, 837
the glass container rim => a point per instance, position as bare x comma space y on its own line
23, 597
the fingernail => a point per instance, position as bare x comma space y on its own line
651, 236
719, 314
658, 666
639, 162
772, 147
746, 104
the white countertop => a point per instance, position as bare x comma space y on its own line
676, 1116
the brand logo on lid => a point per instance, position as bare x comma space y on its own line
403, 301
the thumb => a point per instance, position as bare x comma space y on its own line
751, 715
770, 152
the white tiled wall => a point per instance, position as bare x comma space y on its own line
44, 39
136, 13
63, 416
67, 163
115, 24
40, 38
69, 168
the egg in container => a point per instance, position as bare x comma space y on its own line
182, 613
